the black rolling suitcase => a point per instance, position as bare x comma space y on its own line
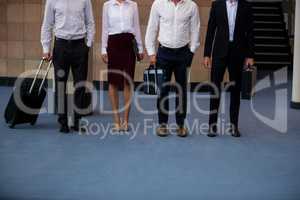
248, 82
27, 99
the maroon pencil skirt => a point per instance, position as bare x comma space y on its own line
121, 59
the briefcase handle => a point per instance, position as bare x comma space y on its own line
37, 73
152, 67
249, 68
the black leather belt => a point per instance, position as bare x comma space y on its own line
70, 41
174, 49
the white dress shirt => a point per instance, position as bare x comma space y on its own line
178, 25
70, 19
232, 6
120, 18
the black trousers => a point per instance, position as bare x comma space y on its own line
234, 62
69, 55
173, 61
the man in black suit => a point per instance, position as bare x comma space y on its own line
230, 44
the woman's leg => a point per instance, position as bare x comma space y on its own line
114, 99
127, 99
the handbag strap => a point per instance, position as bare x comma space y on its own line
147, 77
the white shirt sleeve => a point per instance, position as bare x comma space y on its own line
47, 27
195, 30
90, 23
152, 29
104, 30
137, 29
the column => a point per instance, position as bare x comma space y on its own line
296, 73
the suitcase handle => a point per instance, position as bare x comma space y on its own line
45, 76
37, 73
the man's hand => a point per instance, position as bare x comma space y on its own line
105, 58
207, 62
141, 56
47, 56
153, 60
249, 62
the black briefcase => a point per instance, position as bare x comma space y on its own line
248, 82
153, 80
27, 99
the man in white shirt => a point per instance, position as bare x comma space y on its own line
178, 23
74, 29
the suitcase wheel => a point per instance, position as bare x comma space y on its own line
33, 123
11, 126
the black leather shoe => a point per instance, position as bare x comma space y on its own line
235, 132
64, 129
212, 132
78, 128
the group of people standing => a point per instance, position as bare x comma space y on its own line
173, 26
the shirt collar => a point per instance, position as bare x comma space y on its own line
180, 2
115, 2
235, 1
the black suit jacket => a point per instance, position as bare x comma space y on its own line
217, 38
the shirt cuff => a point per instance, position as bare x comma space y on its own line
89, 43
103, 51
151, 51
141, 50
46, 49
193, 49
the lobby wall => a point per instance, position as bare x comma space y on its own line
20, 49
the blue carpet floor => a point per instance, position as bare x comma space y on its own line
40, 163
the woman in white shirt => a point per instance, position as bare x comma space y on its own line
120, 36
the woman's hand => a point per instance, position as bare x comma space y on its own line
207, 62
141, 56
105, 58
